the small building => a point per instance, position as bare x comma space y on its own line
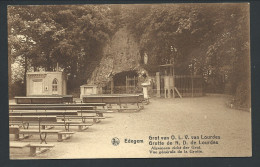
46, 83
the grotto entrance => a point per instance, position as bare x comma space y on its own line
125, 82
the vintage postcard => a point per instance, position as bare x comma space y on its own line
129, 81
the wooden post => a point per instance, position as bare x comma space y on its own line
158, 91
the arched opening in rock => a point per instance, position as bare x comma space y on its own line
126, 82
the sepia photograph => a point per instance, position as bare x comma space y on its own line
91, 81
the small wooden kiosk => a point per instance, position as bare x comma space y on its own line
45, 83
167, 77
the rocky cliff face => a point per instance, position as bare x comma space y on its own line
120, 54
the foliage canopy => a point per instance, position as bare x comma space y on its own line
206, 39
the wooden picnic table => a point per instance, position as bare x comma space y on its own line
33, 119
41, 121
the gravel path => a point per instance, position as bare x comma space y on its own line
206, 116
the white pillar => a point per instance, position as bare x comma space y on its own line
145, 92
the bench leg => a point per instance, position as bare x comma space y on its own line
32, 151
67, 127
43, 137
45, 127
109, 106
146, 101
99, 114
80, 128
16, 136
96, 120
51, 127
125, 106
142, 106
60, 138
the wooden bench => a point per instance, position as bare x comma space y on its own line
43, 99
118, 99
33, 147
45, 132
96, 119
71, 104
52, 107
38, 100
38, 120
16, 131
67, 99
98, 113
46, 113
81, 126
64, 116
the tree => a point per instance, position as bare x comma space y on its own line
213, 39
72, 36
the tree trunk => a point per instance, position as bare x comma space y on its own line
25, 68
48, 63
